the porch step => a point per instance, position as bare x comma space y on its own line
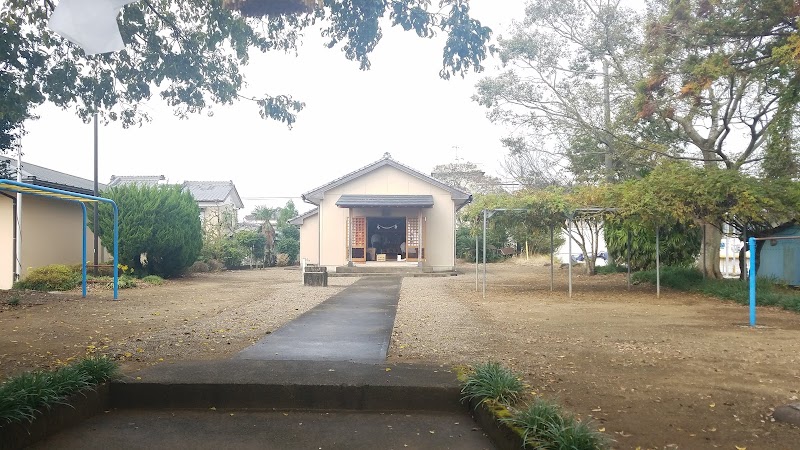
393, 274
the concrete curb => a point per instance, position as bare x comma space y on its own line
307, 385
501, 434
75, 410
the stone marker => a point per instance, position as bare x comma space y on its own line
315, 275
788, 413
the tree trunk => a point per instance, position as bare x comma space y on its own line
709, 251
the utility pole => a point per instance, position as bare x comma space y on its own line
96, 222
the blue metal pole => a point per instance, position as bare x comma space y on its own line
83, 248
752, 244
116, 248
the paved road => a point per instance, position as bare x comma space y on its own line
353, 325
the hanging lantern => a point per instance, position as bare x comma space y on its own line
261, 8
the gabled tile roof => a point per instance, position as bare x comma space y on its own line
143, 180
42, 176
315, 195
299, 219
213, 191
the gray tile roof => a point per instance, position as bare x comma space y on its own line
299, 219
367, 201
142, 180
42, 176
213, 191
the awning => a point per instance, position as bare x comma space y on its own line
382, 201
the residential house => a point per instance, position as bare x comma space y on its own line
219, 204
141, 180
384, 211
51, 229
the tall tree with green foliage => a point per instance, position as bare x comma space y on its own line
190, 53
722, 75
568, 88
157, 224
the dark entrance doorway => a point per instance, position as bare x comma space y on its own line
386, 236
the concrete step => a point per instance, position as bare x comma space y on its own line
305, 385
247, 429
392, 274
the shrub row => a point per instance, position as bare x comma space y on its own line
60, 277
768, 291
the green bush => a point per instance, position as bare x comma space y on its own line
679, 244
153, 279
55, 277
162, 222
289, 246
610, 268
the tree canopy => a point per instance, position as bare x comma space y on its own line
191, 54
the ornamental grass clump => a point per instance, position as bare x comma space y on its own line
545, 427
491, 381
24, 396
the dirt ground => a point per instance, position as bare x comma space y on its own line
682, 371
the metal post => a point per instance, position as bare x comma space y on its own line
350, 238
484, 253
658, 264
18, 262
96, 223
83, 249
628, 258
552, 250
116, 249
752, 244
569, 249
476, 262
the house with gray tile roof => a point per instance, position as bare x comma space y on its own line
43, 176
219, 202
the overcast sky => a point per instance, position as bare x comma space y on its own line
352, 117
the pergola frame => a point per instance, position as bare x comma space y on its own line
83, 199
487, 213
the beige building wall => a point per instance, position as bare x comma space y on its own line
6, 242
438, 236
51, 234
309, 239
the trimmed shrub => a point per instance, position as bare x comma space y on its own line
55, 277
199, 267
282, 260
162, 222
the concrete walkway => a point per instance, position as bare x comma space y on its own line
353, 325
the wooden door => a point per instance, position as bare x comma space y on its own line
412, 239
358, 239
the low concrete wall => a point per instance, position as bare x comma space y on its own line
76, 409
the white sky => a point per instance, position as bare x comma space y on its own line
351, 118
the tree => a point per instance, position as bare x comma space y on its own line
159, 228
570, 72
466, 176
254, 243
190, 53
718, 70
679, 243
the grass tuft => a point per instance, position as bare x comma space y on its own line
22, 397
153, 279
491, 381
546, 427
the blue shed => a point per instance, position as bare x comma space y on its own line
780, 258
